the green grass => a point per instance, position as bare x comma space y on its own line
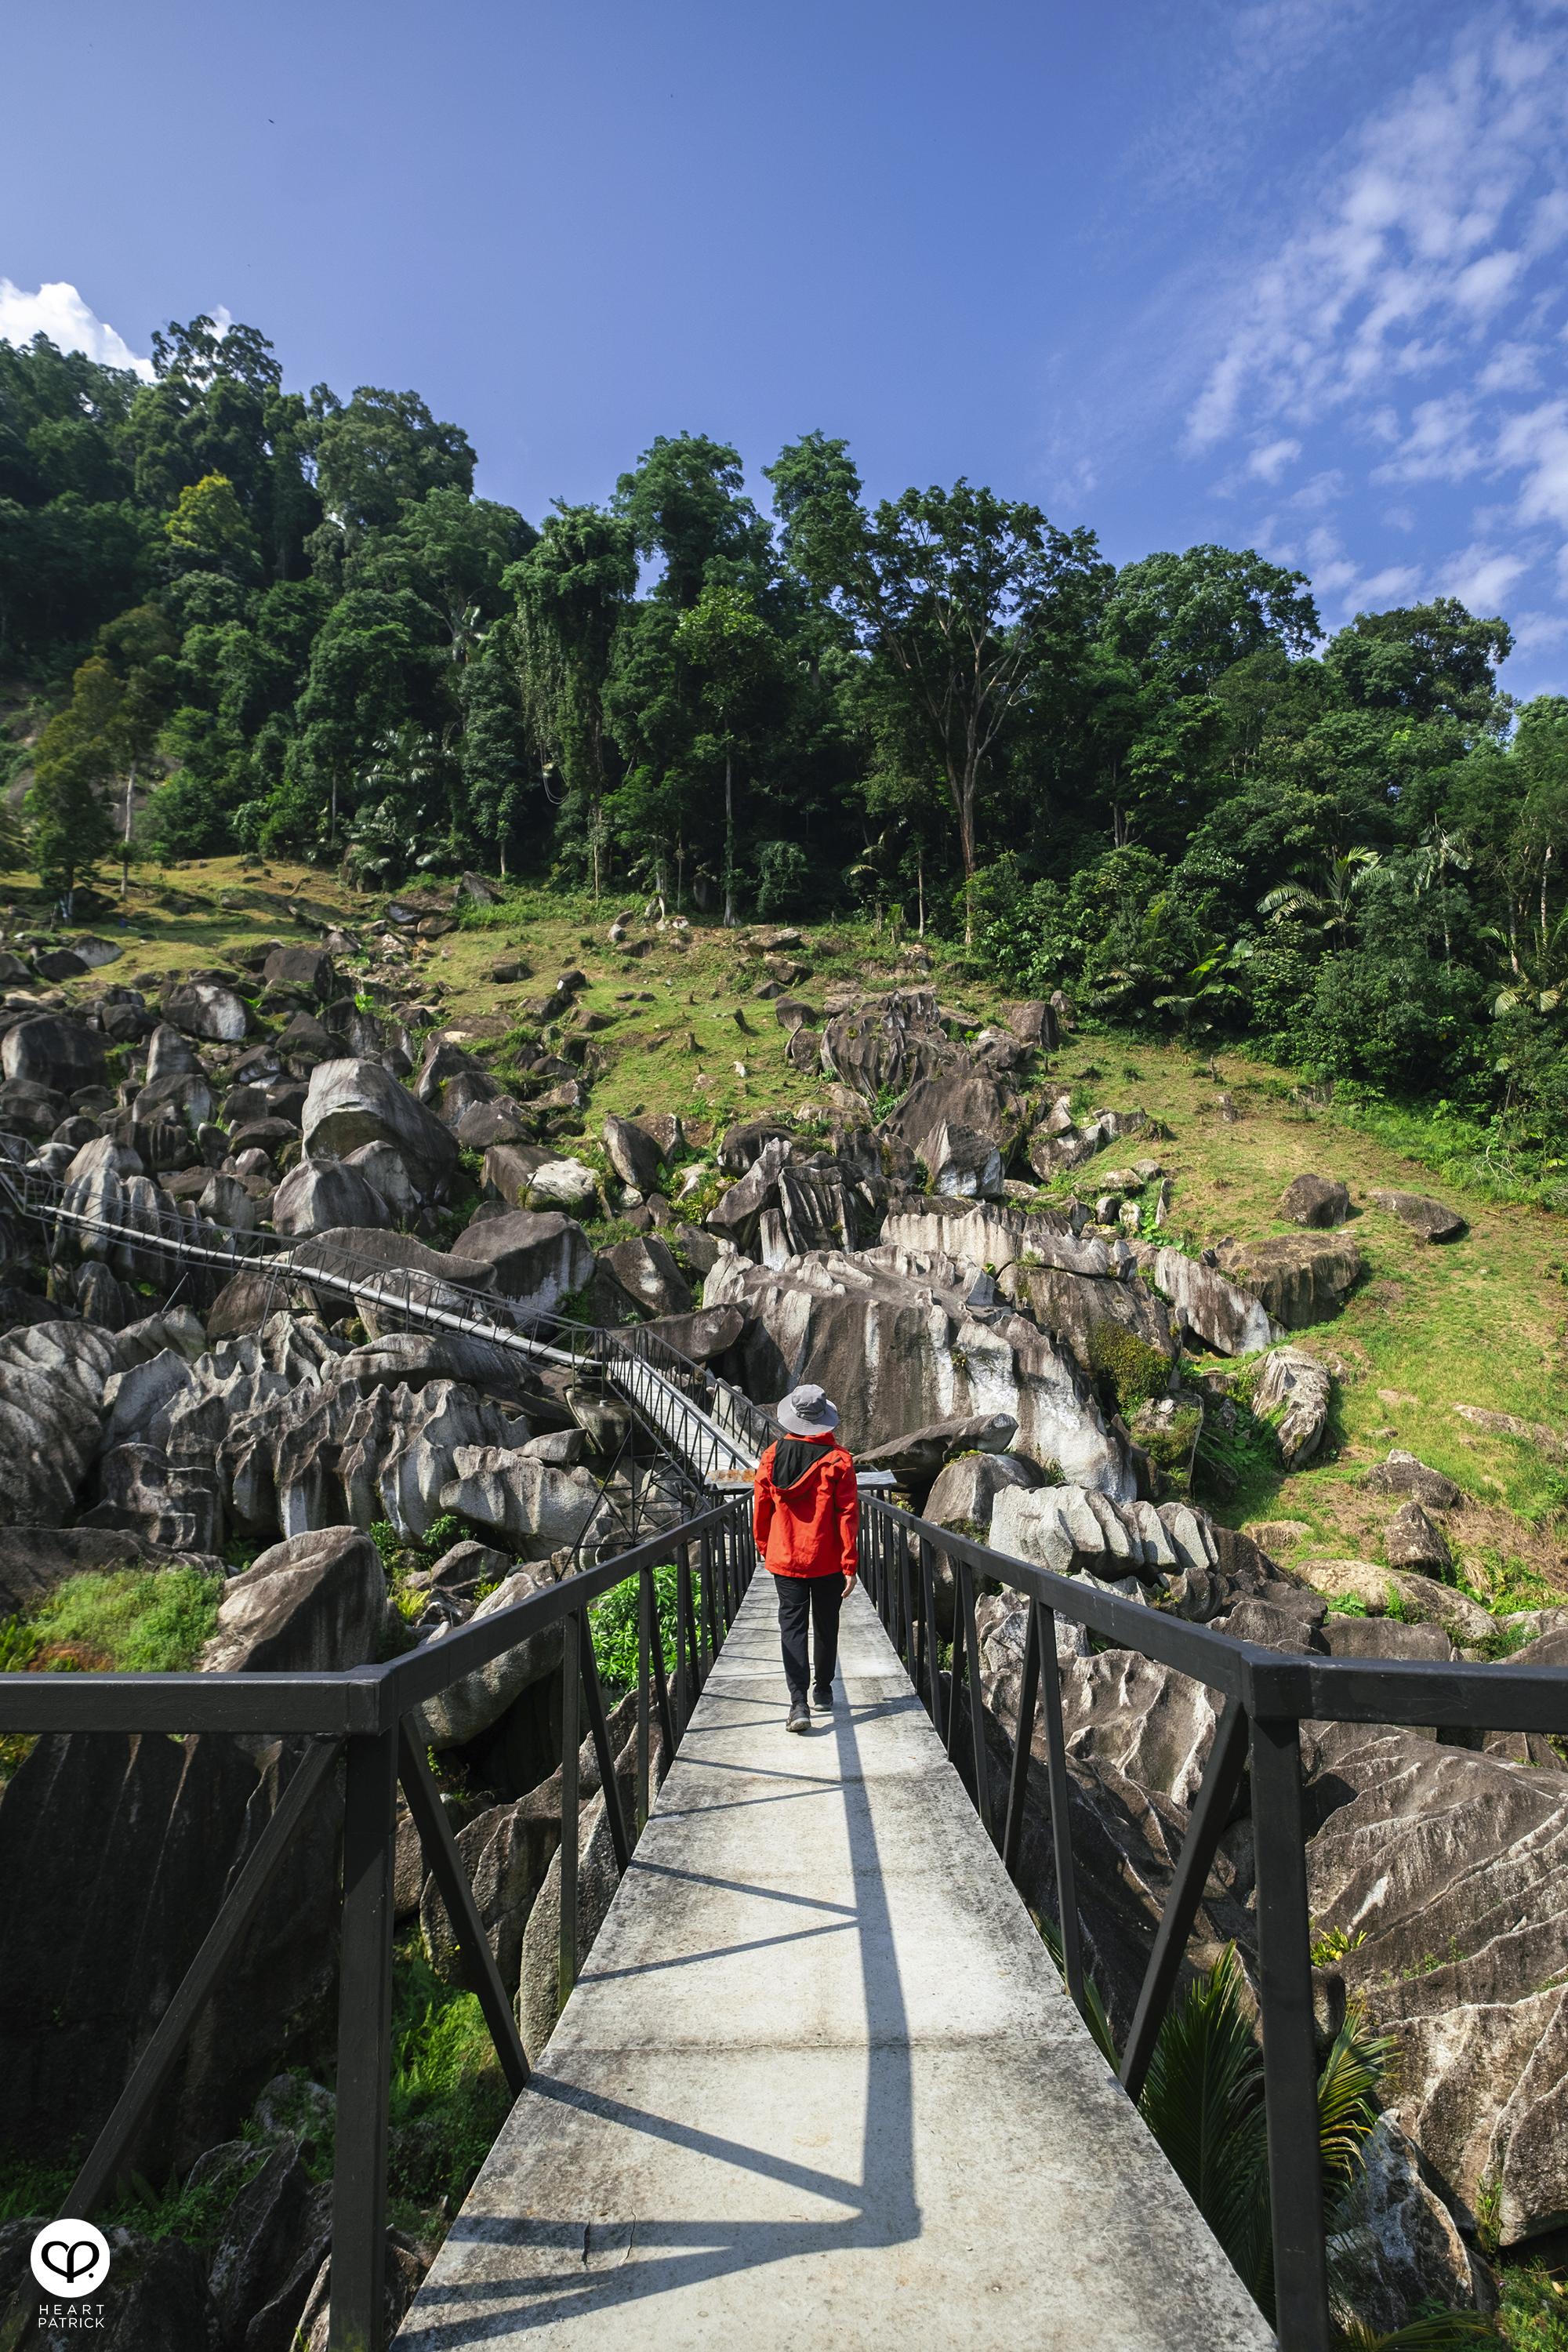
130, 1621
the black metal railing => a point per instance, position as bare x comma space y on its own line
1267, 1696
362, 1717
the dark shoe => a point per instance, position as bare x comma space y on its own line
799, 1716
822, 1700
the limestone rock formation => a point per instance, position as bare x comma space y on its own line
313, 1605
317, 1196
887, 1333
1428, 1219
1298, 1278
537, 1259
530, 1501
357, 1102
201, 1008
1222, 1315
1316, 1201
1413, 1541
478, 1699
1296, 1386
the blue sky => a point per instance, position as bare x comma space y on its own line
1289, 275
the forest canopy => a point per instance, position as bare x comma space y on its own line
243, 618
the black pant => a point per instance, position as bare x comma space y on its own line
818, 1598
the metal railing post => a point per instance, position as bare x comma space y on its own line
1023, 1741
647, 1634
933, 1646
1210, 1812
364, 2047
1289, 2046
1061, 1828
682, 1611
976, 1703
571, 1686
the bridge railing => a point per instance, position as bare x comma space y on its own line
363, 1717
1267, 1696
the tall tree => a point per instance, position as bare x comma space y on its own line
958, 591
574, 590
384, 447
725, 638
686, 503
73, 768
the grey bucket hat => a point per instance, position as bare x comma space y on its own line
806, 1412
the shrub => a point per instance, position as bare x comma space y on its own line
1127, 1370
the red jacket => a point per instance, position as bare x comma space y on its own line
812, 1528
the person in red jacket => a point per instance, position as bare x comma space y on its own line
806, 1520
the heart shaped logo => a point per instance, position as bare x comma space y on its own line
70, 2257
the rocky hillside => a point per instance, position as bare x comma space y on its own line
1135, 1317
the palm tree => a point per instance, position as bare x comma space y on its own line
1204, 2103
1440, 849
1343, 873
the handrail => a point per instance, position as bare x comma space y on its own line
365, 1715
1269, 1695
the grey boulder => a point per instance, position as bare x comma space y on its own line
1224, 1316
634, 1155
528, 1500
202, 1009
66, 1055
480, 1698
1298, 1278
536, 1260
648, 1274
318, 1195
358, 1102
314, 1603
1413, 1541
1427, 1218
1315, 1200
1297, 1388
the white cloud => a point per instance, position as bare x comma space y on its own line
1413, 244
1481, 577
1321, 492
1399, 518
60, 313
1512, 367
1538, 443
1534, 632
1270, 462
1439, 447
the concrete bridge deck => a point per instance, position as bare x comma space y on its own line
819, 2083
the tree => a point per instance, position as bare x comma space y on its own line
141, 645
685, 502
384, 447
77, 756
958, 591
722, 635
1171, 628
208, 520
1427, 660
371, 668
574, 590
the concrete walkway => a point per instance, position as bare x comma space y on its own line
819, 2083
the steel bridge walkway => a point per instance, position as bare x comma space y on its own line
819, 2081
